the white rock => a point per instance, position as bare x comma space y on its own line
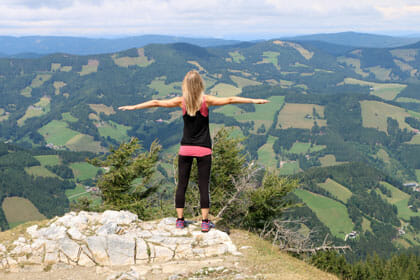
141, 250
2, 248
119, 217
98, 246
160, 253
51, 257
84, 260
108, 228
120, 250
75, 234
70, 248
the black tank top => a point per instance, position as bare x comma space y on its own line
196, 129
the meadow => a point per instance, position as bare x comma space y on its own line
19, 210
336, 189
297, 116
332, 213
387, 91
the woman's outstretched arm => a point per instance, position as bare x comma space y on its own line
218, 101
173, 102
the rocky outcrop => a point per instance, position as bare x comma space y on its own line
111, 238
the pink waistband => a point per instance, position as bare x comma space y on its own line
194, 151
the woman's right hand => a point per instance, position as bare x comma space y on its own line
125, 108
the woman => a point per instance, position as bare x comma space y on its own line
196, 141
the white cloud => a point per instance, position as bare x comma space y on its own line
219, 18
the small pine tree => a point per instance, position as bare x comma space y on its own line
127, 184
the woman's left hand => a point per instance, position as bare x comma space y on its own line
261, 101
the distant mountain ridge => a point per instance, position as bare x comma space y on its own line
356, 39
11, 46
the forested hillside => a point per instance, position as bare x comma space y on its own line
343, 120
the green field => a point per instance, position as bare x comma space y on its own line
400, 199
101, 108
271, 57
329, 160
266, 154
57, 86
84, 170
375, 114
366, 225
407, 100
83, 142
337, 190
19, 210
417, 174
73, 194
380, 73
289, 168
303, 148
48, 160
115, 131
38, 109
243, 82
141, 60
387, 91
236, 56
382, 154
264, 113
414, 140
300, 116
330, 212
91, 67
354, 62
225, 90
236, 131
39, 171
163, 89
39, 80
57, 132
68, 117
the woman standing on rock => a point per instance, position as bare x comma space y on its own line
196, 141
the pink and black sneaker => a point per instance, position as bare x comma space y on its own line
206, 225
180, 223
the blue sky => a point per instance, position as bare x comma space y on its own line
230, 19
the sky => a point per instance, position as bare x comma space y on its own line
228, 19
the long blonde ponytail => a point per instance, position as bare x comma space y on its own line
192, 91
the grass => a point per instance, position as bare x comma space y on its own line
271, 57
355, 63
303, 52
366, 225
141, 60
57, 132
329, 160
38, 109
407, 100
57, 86
243, 82
91, 67
330, 212
163, 89
405, 54
55, 67
40, 171
415, 139
101, 108
295, 115
48, 160
225, 90
382, 154
65, 68
262, 257
77, 192
375, 114
39, 80
235, 133
337, 190
380, 73
264, 114
399, 199
237, 57
68, 117
83, 142
303, 148
417, 171
387, 91
115, 131
19, 210
84, 170
26, 92
266, 154
289, 168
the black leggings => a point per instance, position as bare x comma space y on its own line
184, 169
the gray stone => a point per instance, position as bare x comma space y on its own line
76, 234
108, 228
141, 250
70, 248
119, 217
98, 246
160, 253
120, 250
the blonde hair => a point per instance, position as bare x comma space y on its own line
192, 91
